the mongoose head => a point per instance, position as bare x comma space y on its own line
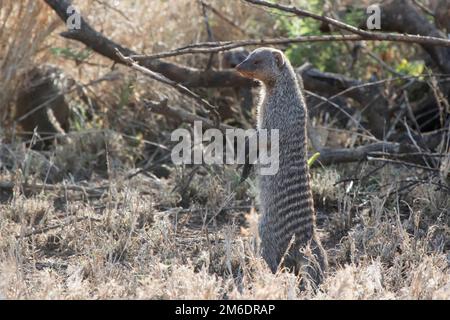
264, 64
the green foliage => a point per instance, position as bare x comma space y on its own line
324, 56
354, 16
313, 159
78, 117
70, 54
413, 68
125, 93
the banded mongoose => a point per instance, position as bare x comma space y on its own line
286, 201
41, 103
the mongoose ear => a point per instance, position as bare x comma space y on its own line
279, 59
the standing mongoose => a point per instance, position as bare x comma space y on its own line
287, 223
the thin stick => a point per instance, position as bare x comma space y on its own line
358, 35
367, 35
51, 187
180, 88
48, 228
407, 164
223, 17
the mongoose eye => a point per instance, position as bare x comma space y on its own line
256, 62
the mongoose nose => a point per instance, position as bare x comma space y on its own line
242, 69
238, 68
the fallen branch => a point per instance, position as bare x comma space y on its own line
41, 230
181, 115
9, 186
330, 156
369, 97
187, 76
407, 152
180, 88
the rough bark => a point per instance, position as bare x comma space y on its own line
403, 16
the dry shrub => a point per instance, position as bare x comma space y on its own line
101, 151
373, 280
30, 163
78, 157
25, 25
29, 211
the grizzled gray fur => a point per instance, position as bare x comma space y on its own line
287, 224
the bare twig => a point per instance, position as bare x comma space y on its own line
356, 122
41, 230
382, 63
367, 35
208, 31
223, 17
224, 204
40, 187
423, 8
183, 116
105, 4
180, 88
407, 164
218, 46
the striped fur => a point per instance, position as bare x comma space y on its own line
285, 198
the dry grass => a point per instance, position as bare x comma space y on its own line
135, 242
183, 236
25, 25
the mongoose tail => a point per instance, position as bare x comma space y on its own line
287, 224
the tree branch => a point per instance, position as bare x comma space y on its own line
403, 16
367, 35
181, 115
189, 77
370, 98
